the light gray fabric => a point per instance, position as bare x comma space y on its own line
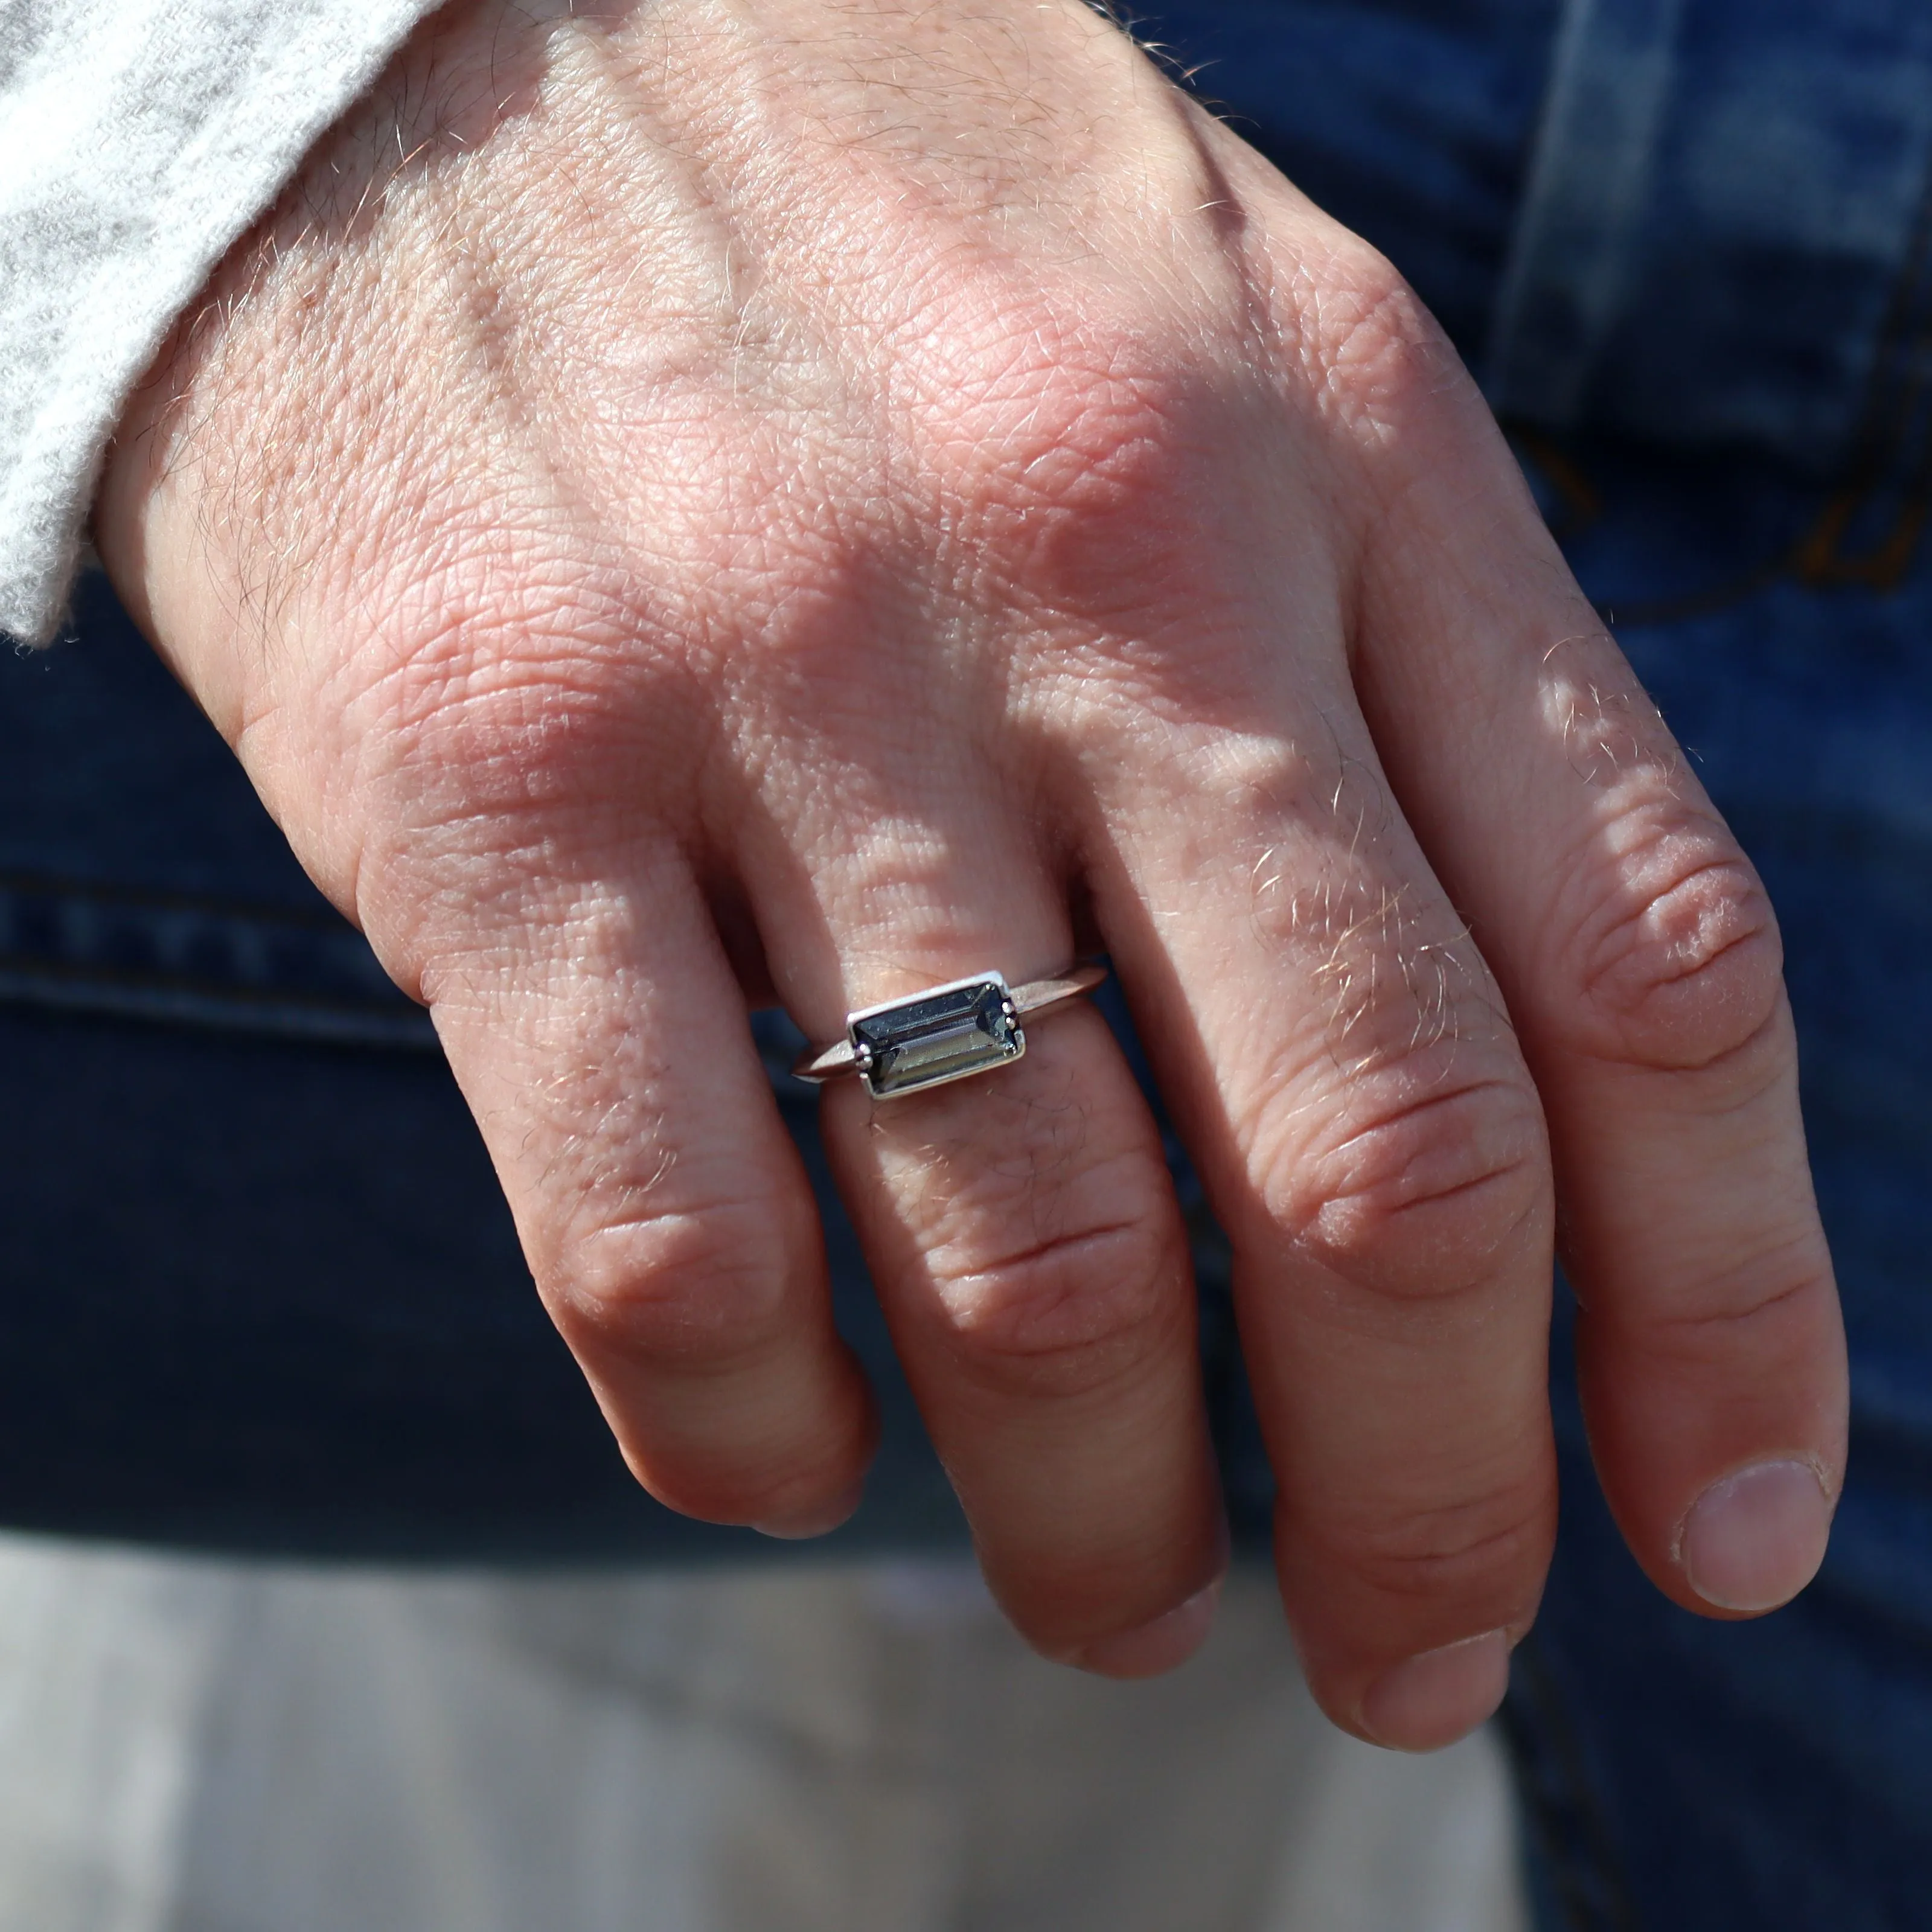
195, 1747
138, 139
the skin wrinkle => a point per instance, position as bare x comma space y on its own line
995, 1174
1424, 1557
1765, 1284
1338, 1189
1044, 1164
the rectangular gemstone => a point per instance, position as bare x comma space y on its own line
941, 1035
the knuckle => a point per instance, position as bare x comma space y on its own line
1679, 962
1379, 357
1083, 457
1441, 1552
1069, 1314
1050, 1295
702, 1288
1431, 1178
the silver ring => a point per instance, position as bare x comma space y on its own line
947, 1033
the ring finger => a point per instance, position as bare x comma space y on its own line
1021, 1229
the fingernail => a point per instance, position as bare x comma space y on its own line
1752, 1540
815, 1523
1434, 1699
1171, 1639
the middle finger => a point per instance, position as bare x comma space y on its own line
1346, 1077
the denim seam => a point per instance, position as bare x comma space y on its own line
82, 946
152, 999
1569, 258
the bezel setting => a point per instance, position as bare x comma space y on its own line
940, 1034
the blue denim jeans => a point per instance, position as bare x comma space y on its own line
259, 1290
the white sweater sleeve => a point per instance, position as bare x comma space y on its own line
138, 139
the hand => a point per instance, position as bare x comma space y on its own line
824, 496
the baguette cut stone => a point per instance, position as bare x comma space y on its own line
968, 1027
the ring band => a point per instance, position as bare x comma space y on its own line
947, 1033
